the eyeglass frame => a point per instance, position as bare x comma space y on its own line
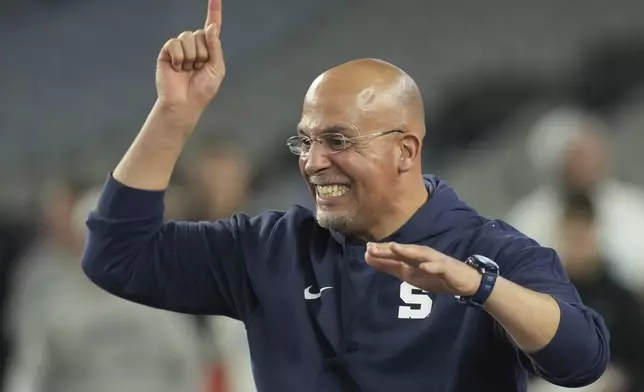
347, 140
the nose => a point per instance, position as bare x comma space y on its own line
316, 160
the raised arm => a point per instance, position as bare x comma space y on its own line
190, 69
130, 251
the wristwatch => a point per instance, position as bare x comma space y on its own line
490, 271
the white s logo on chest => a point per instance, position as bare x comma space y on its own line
423, 303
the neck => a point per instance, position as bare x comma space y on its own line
409, 202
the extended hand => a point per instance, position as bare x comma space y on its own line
424, 267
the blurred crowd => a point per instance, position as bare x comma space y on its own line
65, 334
592, 219
566, 171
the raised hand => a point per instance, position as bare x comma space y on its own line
190, 67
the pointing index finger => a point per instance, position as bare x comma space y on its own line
214, 13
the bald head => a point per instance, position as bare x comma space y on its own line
365, 176
372, 93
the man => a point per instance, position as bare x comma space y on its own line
570, 153
318, 315
586, 265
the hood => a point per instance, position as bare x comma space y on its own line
442, 212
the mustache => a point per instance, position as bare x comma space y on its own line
327, 179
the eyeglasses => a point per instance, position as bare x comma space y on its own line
331, 142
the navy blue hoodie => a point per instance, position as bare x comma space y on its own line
318, 318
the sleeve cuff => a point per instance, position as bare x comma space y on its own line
118, 201
569, 343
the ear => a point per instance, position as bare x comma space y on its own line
409, 152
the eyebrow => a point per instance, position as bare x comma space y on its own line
342, 129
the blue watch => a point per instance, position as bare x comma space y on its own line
490, 271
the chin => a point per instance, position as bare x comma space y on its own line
338, 222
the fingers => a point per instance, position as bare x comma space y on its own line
202, 49
214, 13
192, 51
384, 265
413, 256
417, 276
410, 254
216, 55
189, 45
189, 51
172, 52
380, 250
406, 269
400, 270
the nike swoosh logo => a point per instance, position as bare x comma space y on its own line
309, 295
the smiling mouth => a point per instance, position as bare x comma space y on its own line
331, 190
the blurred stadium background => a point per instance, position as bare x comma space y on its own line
534, 113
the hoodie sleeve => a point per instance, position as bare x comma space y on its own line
579, 352
187, 267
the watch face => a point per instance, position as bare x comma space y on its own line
484, 259
484, 262
490, 271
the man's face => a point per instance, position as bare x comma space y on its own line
583, 162
352, 188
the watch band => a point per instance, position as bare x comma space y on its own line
485, 289
490, 271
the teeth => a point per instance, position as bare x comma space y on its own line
331, 190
